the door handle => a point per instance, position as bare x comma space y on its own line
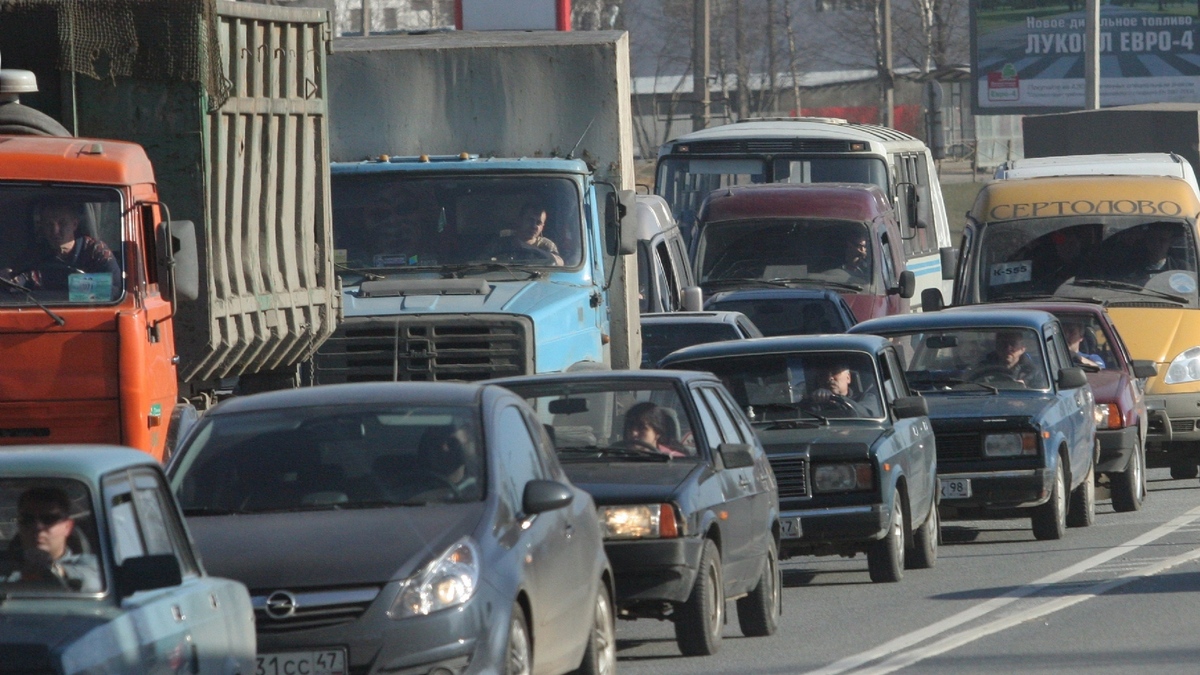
744, 482
569, 530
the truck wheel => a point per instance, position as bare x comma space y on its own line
758, 613
1082, 511
1184, 469
600, 657
923, 554
699, 621
1050, 519
885, 557
1129, 486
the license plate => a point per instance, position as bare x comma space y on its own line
791, 528
320, 662
955, 488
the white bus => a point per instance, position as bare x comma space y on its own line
817, 150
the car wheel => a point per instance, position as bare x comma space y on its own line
1129, 486
518, 659
600, 657
923, 554
885, 557
1184, 469
1082, 510
758, 613
700, 619
1050, 519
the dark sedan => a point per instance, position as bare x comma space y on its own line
664, 333
399, 528
687, 499
787, 311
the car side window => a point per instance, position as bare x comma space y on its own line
893, 367
729, 432
1052, 353
545, 447
1060, 348
738, 417
517, 454
708, 420
668, 282
141, 521
889, 263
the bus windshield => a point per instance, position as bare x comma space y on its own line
685, 181
1116, 259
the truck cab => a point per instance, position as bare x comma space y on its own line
461, 268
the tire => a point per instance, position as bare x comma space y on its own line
600, 656
1184, 469
1129, 487
699, 620
518, 657
923, 554
1082, 510
1049, 520
758, 613
885, 557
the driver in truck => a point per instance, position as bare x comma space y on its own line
526, 235
62, 249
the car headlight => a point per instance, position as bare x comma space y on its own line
843, 477
447, 581
642, 521
1184, 368
1010, 445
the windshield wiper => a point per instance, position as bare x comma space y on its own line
615, 451
460, 270
29, 295
786, 407
1126, 286
793, 423
367, 275
206, 511
716, 283
987, 387
818, 282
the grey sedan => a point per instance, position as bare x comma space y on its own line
400, 528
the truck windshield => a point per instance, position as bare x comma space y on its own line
821, 251
1116, 259
396, 221
685, 181
59, 245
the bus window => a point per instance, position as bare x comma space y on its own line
832, 170
684, 183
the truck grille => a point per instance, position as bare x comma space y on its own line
791, 474
310, 609
959, 446
425, 349
1183, 426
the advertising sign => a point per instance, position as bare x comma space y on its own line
1027, 56
512, 14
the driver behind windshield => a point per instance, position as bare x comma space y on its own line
62, 249
526, 235
1009, 359
46, 554
833, 394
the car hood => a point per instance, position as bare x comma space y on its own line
849, 442
1158, 335
313, 549
631, 482
976, 405
34, 629
1107, 385
535, 296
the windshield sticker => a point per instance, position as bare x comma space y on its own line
1013, 272
90, 287
1084, 207
393, 260
1182, 283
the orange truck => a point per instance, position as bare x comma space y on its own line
177, 247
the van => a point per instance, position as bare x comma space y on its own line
1121, 164
816, 150
1127, 242
664, 274
844, 237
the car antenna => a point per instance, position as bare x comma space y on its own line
571, 154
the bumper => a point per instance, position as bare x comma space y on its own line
1173, 418
1116, 447
837, 525
1003, 489
658, 569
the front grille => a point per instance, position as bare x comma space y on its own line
424, 349
958, 446
767, 146
1182, 426
791, 474
314, 609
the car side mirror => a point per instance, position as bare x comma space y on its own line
1143, 369
906, 407
735, 455
931, 300
545, 495
693, 299
949, 260
906, 286
146, 573
1071, 378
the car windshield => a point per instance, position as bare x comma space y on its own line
324, 458
395, 221
1117, 259
792, 250
812, 386
636, 421
59, 245
972, 359
785, 316
662, 338
48, 543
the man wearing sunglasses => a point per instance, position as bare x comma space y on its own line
44, 527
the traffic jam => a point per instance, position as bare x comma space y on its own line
350, 411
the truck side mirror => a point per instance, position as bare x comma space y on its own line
906, 285
949, 258
693, 299
178, 264
931, 300
622, 222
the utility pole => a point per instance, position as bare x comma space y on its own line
1091, 62
889, 82
366, 17
700, 65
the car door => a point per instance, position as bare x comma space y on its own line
914, 436
1083, 419
764, 494
737, 538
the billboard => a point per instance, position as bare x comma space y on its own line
512, 14
1027, 56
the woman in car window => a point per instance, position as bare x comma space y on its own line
648, 424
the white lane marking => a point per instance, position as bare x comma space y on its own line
905, 659
949, 623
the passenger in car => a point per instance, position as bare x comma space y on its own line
1074, 332
648, 424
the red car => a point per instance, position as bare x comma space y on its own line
1115, 378
841, 236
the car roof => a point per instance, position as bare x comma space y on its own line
991, 318
780, 344
856, 202
85, 462
715, 316
426, 393
1057, 307
685, 376
774, 294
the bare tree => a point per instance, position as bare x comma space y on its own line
932, 34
